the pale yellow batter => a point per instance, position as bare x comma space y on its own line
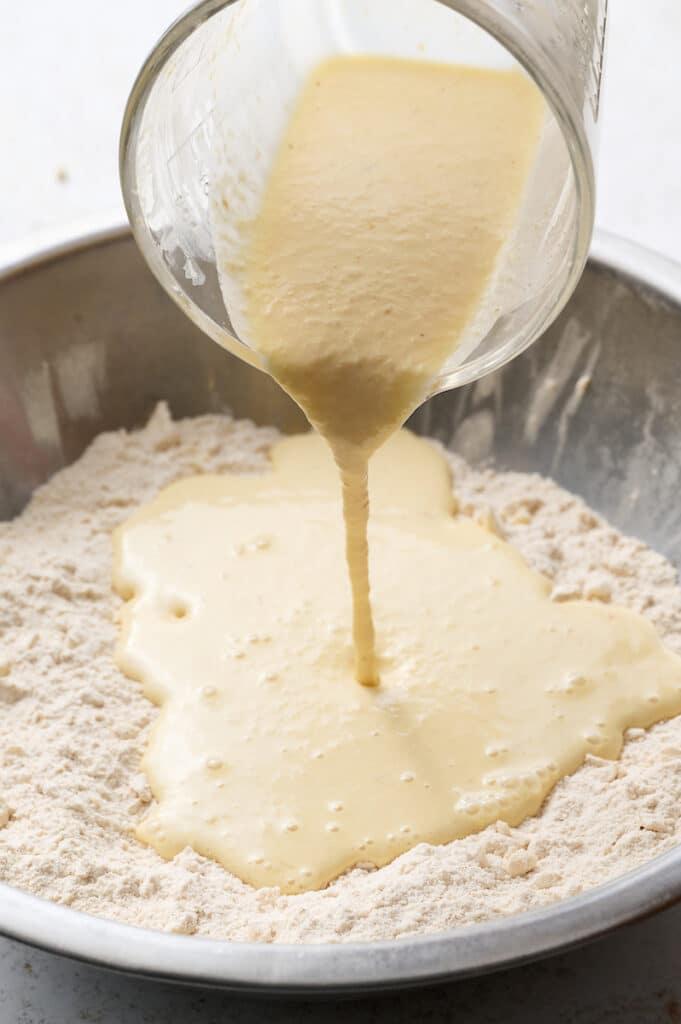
394, 189
270, 759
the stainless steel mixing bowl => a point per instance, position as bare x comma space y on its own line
89, 342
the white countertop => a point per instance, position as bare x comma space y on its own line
64, 121
67, 66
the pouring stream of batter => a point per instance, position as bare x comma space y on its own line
394, 189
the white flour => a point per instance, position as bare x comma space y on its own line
72, 728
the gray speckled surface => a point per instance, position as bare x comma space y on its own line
633, 977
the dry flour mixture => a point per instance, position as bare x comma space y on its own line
72, 728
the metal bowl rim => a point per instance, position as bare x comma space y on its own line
343, 967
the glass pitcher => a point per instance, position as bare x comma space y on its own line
211, 76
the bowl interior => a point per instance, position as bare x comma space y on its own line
90, 342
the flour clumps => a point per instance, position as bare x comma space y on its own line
73, 728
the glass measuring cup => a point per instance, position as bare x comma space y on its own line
221, 82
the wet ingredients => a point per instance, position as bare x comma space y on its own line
268, 757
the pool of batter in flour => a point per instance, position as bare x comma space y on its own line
315, 716
270, 757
